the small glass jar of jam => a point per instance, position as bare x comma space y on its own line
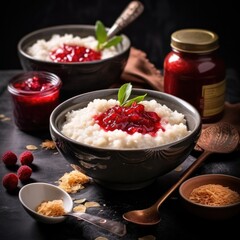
34, 95
195, 72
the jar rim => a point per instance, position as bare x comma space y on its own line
195, 40
50, 77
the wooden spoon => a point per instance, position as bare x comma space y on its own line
218, 138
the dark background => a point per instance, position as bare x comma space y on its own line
150, 32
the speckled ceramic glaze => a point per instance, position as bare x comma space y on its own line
77, 78
125, 169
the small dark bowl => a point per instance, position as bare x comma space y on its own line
79, 77
125, 169
206, 211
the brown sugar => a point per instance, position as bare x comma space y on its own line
51, 208
214, 195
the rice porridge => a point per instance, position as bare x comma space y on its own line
80, 125
41, 49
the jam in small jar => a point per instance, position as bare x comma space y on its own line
34, 96
195, 72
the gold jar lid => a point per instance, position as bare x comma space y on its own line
194, 40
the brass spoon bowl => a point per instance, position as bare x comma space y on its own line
218, 138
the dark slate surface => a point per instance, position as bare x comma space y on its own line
176, 223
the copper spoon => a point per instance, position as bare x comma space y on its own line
218, 138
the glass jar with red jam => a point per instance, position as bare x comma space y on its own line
195, 72
34, 96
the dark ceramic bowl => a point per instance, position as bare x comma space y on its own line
81, 77
125, 169
206, 211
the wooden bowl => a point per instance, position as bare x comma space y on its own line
208, 211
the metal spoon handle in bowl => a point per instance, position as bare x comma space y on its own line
131, 12
115, 227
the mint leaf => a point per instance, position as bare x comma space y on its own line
112, 42
124, 93
101, 33
136, 99
101, 36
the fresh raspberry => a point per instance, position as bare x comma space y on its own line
10, 181
24, 173
26, 158
9, 158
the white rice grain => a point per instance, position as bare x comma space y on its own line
41, 49
80, 126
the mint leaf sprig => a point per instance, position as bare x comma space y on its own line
124, 93
101, 36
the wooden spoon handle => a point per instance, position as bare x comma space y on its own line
185, 175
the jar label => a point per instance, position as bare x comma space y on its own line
213, 98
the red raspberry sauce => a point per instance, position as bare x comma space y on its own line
33, 84
34, 101
74, 53
130, 119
